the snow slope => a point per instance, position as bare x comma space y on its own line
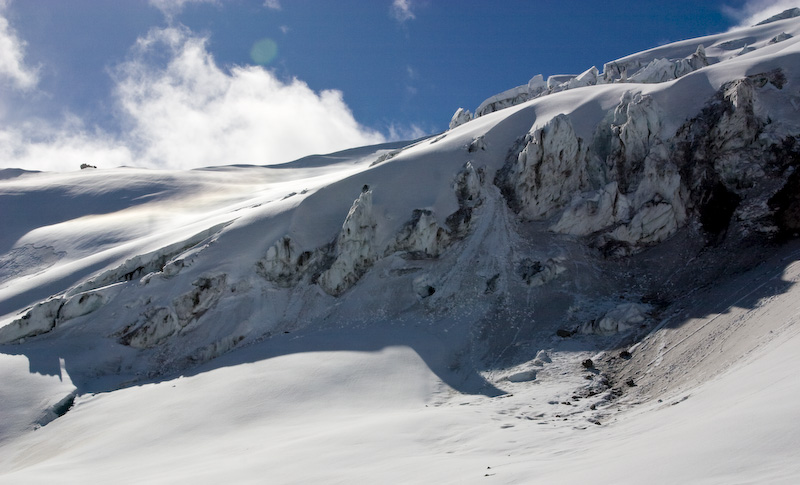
592, 282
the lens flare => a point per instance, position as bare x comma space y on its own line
264, 51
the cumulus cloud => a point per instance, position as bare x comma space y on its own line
755, 11
12, 64
191, 113
402, 11
180, 110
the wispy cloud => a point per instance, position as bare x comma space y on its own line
273, 4
12, 53
408, 132
755, 11
402, 11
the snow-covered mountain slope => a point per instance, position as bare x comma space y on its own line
527, 291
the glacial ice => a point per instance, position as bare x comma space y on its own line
355, 247
623, 317
460, 117
547, 172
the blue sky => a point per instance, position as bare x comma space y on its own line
183, 83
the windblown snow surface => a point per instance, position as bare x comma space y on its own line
593, 280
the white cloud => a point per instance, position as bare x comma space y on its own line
180, 110
754, 11
12, 63
191, 113
402, 10
273, 4
38, 145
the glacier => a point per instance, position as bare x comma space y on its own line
589, 267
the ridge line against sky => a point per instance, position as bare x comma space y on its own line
191, 83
